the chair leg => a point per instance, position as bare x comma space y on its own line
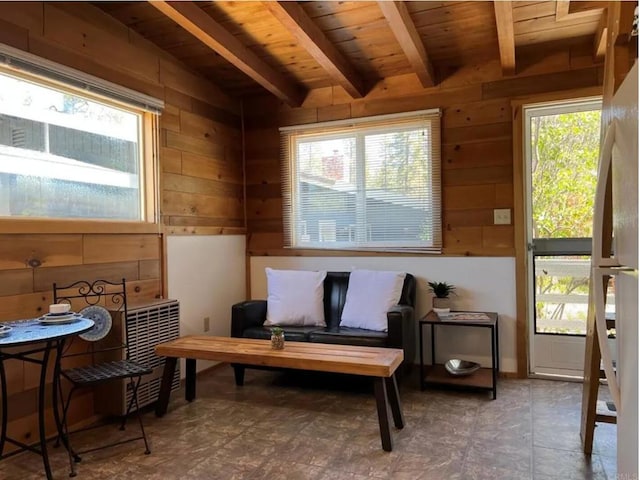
134, 400
147, 451
134, 391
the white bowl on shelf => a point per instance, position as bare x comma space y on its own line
441, 311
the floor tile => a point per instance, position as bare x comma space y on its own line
307, 427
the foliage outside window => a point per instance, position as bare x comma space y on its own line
364, 184
564, 146
66, 154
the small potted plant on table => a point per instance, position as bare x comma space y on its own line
277, 338
441, 290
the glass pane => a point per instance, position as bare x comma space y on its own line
562, 294
326, 190
397, 187
65, 156
564, 158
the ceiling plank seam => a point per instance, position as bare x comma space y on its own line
409, 39
197, 22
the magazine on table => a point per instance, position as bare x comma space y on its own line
464, 317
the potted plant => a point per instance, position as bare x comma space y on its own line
277, 338
441, 292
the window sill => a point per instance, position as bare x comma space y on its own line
66, 226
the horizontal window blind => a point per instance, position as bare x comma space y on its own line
19, 60
365, 184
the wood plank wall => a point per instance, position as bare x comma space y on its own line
477, 159
201, 177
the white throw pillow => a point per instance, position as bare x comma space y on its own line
295, 297
370, 295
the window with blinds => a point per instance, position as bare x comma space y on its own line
363, 184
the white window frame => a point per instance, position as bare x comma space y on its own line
291, 137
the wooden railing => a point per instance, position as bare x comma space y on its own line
571, 303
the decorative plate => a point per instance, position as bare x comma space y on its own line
102, 319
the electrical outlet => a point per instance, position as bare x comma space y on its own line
206, 324
502, 216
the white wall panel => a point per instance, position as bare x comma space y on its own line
483, 283
206, 273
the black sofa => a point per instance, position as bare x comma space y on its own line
247, 319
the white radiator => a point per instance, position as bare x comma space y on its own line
149, 324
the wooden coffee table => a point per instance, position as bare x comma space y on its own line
379, 363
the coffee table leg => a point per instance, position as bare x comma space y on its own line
380, 390
394, 401
190, 387
238, 372
165, 386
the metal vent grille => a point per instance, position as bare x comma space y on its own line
147, 327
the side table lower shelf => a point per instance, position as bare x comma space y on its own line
438, 375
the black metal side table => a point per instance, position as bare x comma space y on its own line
436, 374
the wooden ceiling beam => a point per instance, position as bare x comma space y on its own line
506, 37
198, 23
315, 42
572, 10
600, 38
562, 9
409, 39
586, 6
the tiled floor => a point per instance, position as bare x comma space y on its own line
305, 427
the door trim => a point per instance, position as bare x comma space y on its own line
519, 214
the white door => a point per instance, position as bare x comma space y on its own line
561, 154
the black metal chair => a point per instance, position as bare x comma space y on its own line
94, 299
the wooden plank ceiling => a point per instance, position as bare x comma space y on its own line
289, 48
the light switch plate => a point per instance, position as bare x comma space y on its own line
502, 216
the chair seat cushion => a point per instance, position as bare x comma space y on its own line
349, 336
105, 371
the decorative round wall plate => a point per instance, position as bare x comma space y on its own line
102, 319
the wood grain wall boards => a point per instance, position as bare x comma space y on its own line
205, 186
29, 305
477, 146
24, 426
149, 269
210, 168
476, 154
16, 282
16, 251
120, 248
14, 36
202, 126
44, 278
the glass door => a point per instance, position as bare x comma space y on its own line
561, 152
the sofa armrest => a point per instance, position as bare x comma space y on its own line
251, 313
402, 331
